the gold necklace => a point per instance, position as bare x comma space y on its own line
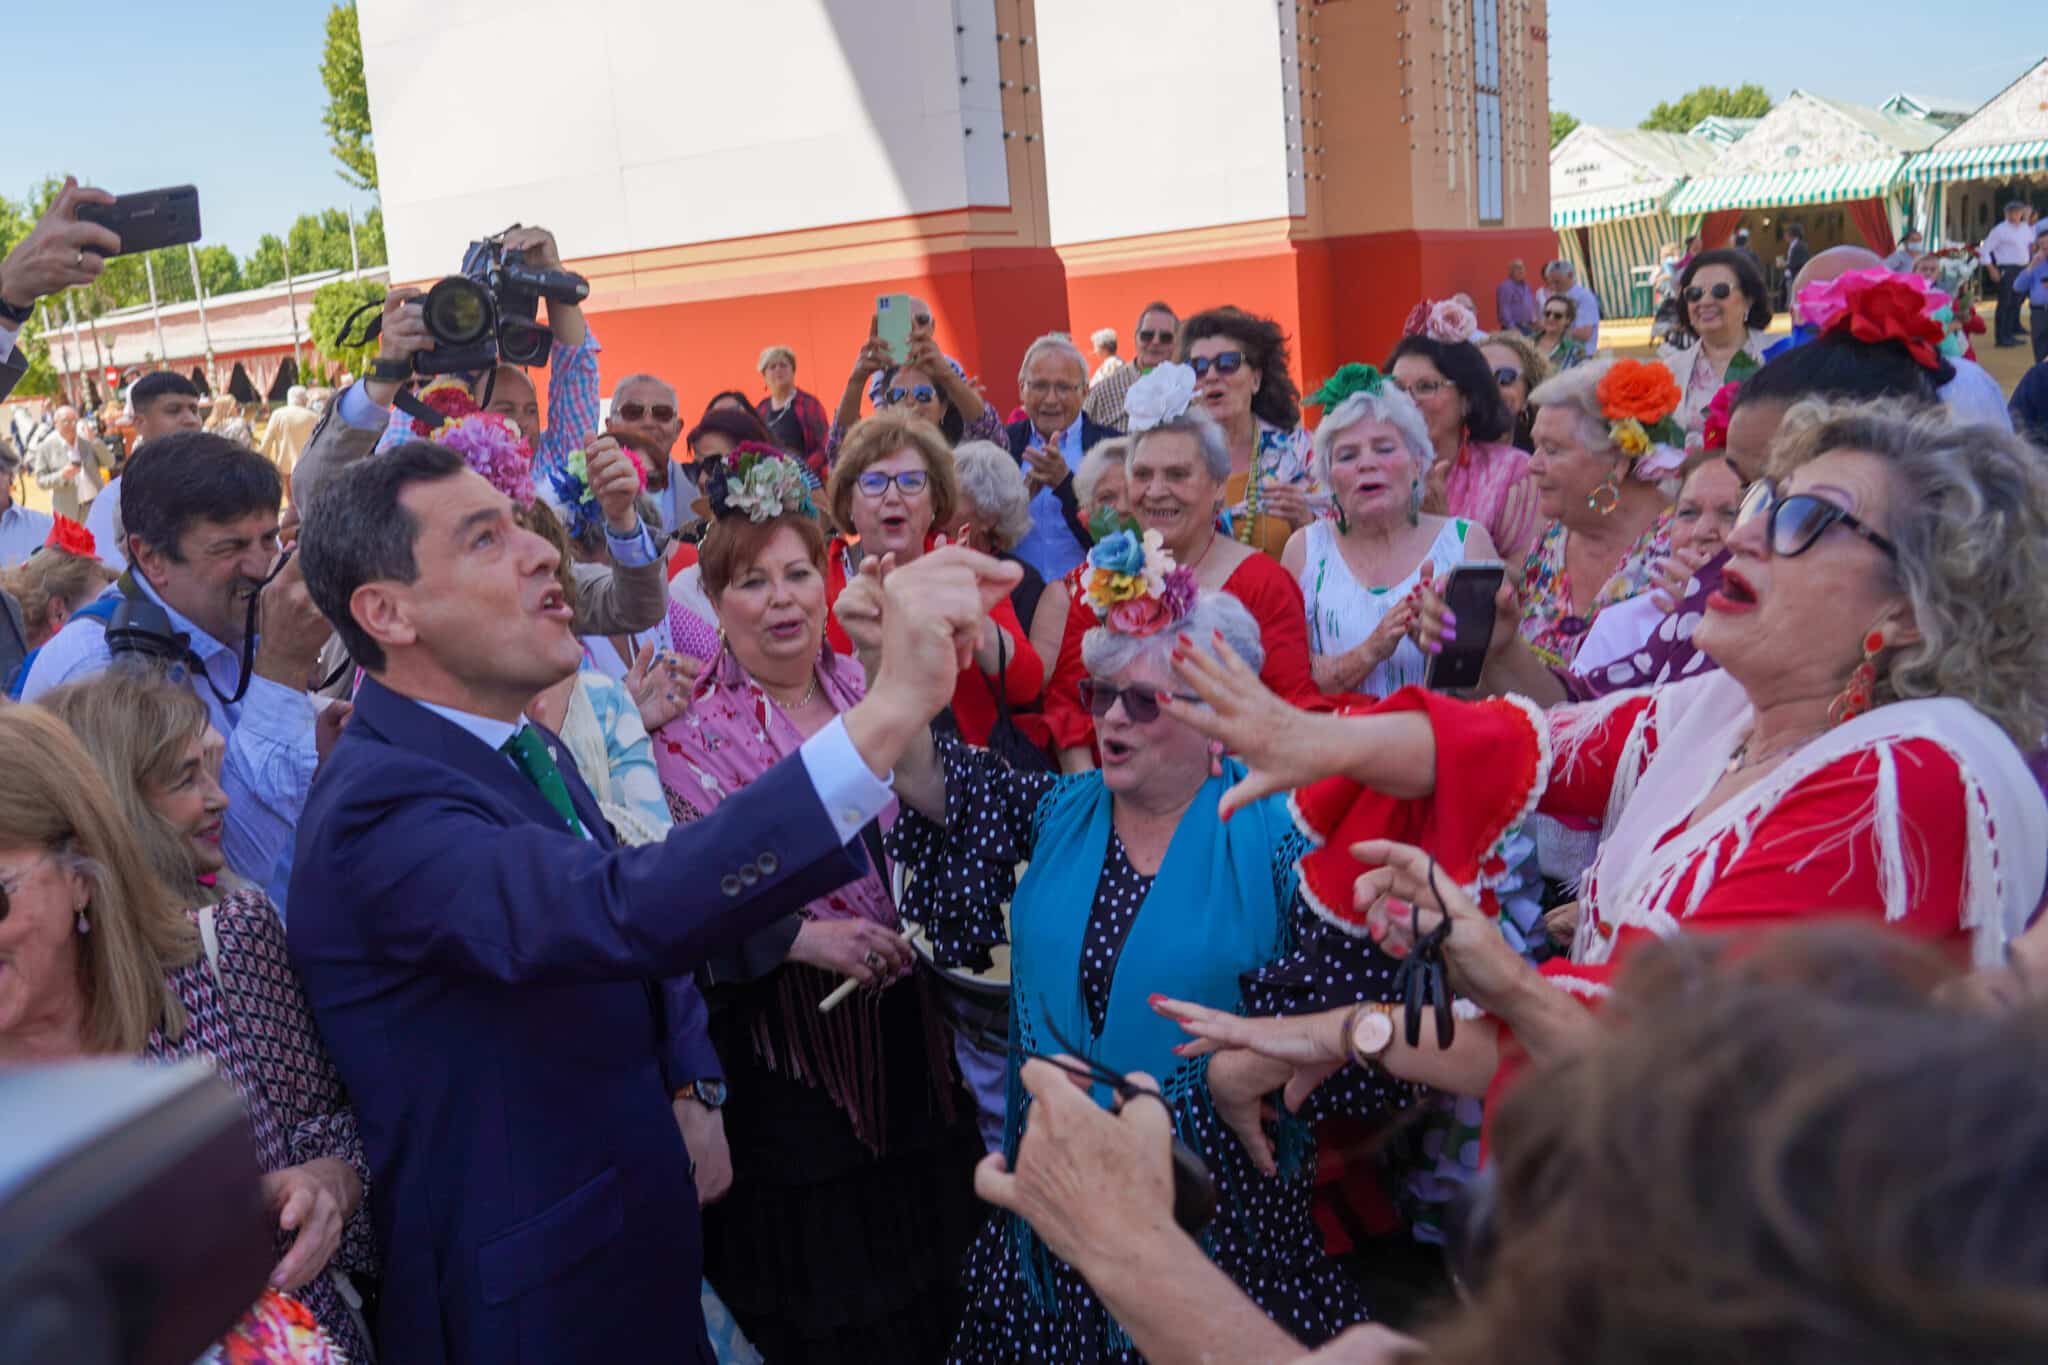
810, 693
1742, 760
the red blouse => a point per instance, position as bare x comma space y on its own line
974, 696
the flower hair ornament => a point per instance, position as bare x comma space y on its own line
1349, 379
1714, 430
1638, 398
755, 481
72, 538
1133, 584
1880, 305
490, 444
569, 489
1441, 320
1160, 395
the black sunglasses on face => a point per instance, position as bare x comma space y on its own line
1152, 338
1505, 376
1694, 293
633, 412
1141, 704
923, 393
1225, 362
1793, 524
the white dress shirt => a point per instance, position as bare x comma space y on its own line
2007, 246
101, 519
22, 532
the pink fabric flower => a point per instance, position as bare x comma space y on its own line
1821, 303
1450, 320
1140, 616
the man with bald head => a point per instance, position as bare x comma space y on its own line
71, 464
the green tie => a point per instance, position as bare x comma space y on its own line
530, 753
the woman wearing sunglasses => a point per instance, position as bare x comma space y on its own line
924, 384
1517, 369
123, 932
1240, 366
1554, 337
1135, 886
894, 490
1475, 473
1859, 753
1723, 312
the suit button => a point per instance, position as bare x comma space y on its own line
768, 862
750, 874
850, 818
730, 885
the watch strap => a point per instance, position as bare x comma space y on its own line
390, 371
18, 315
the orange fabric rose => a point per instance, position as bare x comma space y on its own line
1642, 389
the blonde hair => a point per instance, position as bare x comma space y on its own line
225, 409
137, 726
771, 354
1535, 369
879, 437
53, 575
54, 798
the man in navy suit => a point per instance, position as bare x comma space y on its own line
1049, 443
485, 964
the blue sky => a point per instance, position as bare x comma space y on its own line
226, 94
1612, 60
133, 94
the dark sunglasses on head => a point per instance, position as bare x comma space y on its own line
1224, 362
1694, 293
923, 393
1505, 376
1141, 704
1153, 338
633, 412
1793, 524
875, 483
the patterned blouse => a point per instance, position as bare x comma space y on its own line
1489, 483
1284, 456
253, 1023
1549, 623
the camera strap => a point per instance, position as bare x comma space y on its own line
174, 646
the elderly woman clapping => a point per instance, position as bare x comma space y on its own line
1359, 571
1134, 886
1881, 642
116, 939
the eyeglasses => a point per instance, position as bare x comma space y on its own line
1556, 316
1141, 704
1422, 388
1694, 293
1793, 524
875, 483
1154, 338
1224, 362
1039, 388
923, 393
1505, 376
633, 412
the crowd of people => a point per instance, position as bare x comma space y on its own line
904, 881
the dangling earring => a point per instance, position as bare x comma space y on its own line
1215, 758
1855, 698
1415, 503
84, 925
1605, 498
1343, 522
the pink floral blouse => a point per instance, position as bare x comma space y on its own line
1489, 483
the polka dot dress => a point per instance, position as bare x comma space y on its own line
1263, 1236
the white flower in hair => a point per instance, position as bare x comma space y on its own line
1159, 396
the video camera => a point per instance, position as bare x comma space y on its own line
490, 310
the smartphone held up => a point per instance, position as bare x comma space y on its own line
148, 219
1468, 594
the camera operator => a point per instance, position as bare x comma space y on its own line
201, 513
629, 595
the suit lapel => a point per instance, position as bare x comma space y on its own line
408, 725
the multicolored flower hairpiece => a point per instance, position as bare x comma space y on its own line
72, 538
1880, 305
1441, 320
757, 482
491, 444
569, 486
1161, 394
1638, 398
1349, 379
1134, 586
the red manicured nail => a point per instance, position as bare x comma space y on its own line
1154, 999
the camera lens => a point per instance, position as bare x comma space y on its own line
458, 312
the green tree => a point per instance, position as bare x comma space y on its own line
1709, 101
317, 241
333, 303
347, 116
1561, 125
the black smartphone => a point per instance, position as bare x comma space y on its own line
149, 219
1469, 593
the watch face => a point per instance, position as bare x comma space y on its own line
1373, 1034
712, 1093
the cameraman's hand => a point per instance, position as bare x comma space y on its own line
59, 250
614, 483
404, 335
536, 245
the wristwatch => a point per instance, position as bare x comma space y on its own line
711, 1094
18, 314
1369, 1031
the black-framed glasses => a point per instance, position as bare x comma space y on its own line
1223, 362
1141, 704
1694, 293
1155, 336
875, 483
1507, 375
633, 412
1793, 524
1556, 316
923, 393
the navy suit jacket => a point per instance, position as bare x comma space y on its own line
489, 985
1019, 436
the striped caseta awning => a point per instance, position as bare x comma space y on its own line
1769, 189
1996, 162
1603, 206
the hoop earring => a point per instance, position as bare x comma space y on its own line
1854, 699
1605, 498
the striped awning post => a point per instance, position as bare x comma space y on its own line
2001, 161
1772, 189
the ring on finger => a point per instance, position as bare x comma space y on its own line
872, 958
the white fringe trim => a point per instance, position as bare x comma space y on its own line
1580, 986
